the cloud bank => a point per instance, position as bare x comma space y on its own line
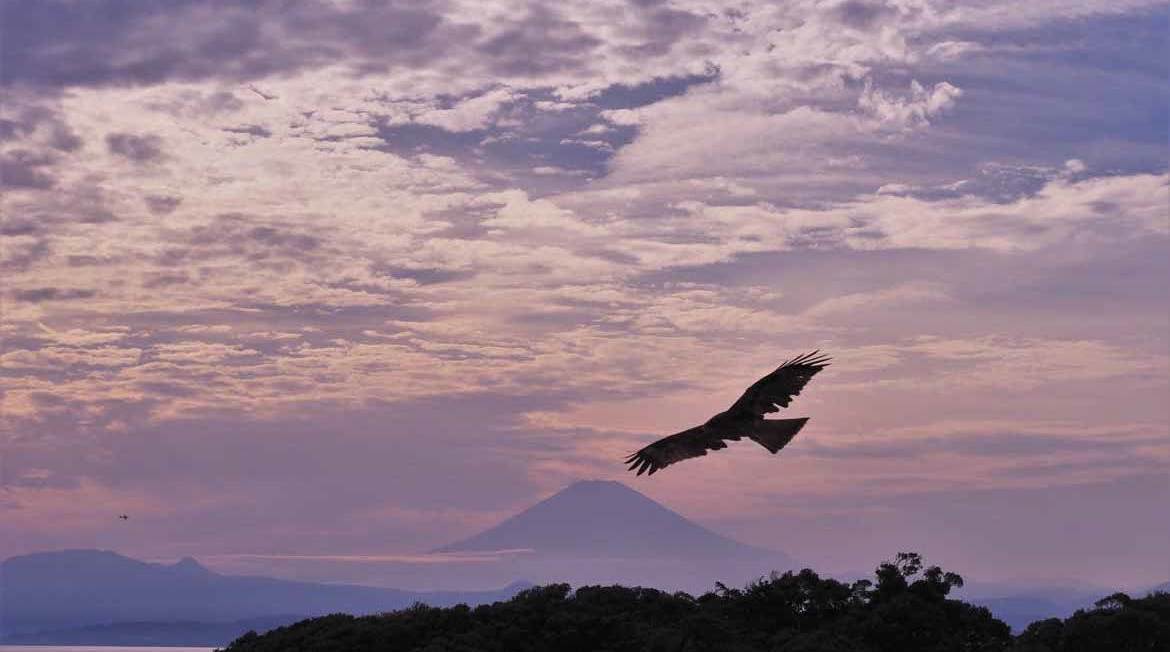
275, 270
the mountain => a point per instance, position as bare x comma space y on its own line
601, 532
602, 519
1020, 610
152, 634
591, 532
79, 588
1020, 606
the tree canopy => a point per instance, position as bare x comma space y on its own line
906, 608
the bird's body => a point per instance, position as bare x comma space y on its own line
745, 418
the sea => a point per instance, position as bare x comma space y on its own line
98, 648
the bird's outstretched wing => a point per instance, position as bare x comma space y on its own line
745, 418
675, 448
779, 387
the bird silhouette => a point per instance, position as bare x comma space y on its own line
745, 418
124, 517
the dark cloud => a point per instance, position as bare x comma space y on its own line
32, 118
662, 27
140, 149
87, 205
423, 276
279, 239
16, 226
188, 103
859, 14
19, 256
251, 130
78, 204
24, 169
235, 235
58, 43
84, 261
162, 204
167, 389
64, 139
38, 295
161, 280
538, 43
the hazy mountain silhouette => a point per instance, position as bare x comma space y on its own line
77, 588
1021, 609
596, 518
601, 532
162, 634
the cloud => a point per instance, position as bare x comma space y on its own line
864, 15
37, 295
162, 204
257, 131
539, 42
138, 149
1103, 208
470, 114
25, 120
916, 110
519, 213
383, 244
63, 43
58, 358
24, 169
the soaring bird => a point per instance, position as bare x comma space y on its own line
123, 517
745, 418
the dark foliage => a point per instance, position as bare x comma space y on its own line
905, 610
1119, 623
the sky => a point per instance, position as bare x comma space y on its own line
361, 278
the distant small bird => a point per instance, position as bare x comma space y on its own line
124, 517
743, 419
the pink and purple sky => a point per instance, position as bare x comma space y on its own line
359, 279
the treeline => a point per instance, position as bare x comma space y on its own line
904, 609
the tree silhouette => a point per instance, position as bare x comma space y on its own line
906, 608
1118, 623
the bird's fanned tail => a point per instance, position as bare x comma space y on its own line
775, 434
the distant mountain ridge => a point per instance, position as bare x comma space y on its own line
1021, 607
605, 519
79, 588
161, 634
624, 536
591, 532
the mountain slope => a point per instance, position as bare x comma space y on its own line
77, 588
600, 519
162, 634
